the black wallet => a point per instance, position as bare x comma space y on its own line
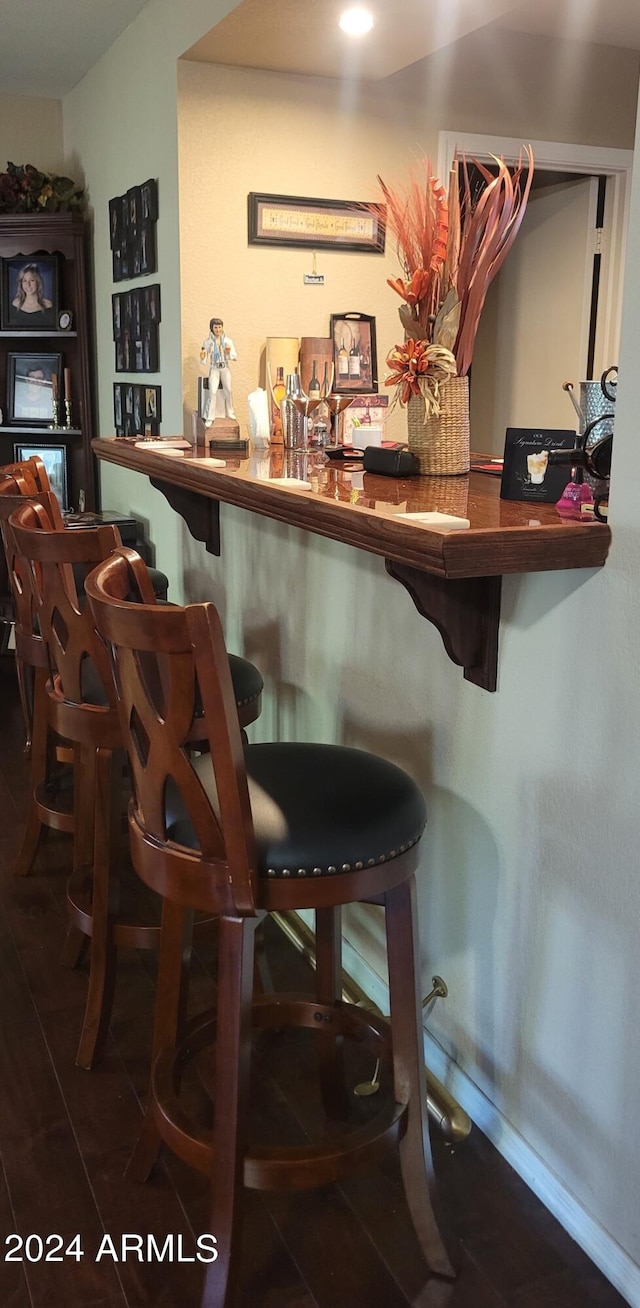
397, 461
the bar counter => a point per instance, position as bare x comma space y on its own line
453, 576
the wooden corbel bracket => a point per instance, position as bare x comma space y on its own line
466, 611
201, 514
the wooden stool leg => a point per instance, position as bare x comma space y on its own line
410, 1080
170, 1012
102, 968
37, 741
84, 786
27, 680
262, 978
331, 1070
74, 947
233, 1060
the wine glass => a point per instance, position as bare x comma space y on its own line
306, 406
337, 404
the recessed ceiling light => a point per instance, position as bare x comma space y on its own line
356, 22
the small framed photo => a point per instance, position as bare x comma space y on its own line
116, 315
117, 409
152, 403
152, 303
354, 354
33, 383
30, 293
54, 458
149, 200
147, 248
150, 351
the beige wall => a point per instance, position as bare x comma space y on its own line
31, 132
258, 291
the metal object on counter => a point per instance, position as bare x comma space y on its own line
294, 424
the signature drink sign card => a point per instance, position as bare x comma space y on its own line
527, 473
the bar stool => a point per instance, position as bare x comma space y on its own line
243, 832
50, 776
81, 708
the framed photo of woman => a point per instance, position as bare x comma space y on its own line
30, 293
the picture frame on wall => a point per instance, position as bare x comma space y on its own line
354, 353
30, 292
132, 231
320, 224
54, 458
33, 382
135, 317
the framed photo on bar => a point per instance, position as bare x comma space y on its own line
317, 224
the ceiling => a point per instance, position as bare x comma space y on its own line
47, 46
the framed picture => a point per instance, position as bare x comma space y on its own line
116, 315
149, 200
33, 382
152, 303
54, 458
117, 409
354, 354
321, 224
152, 404
132, 231
30, 293
527, 473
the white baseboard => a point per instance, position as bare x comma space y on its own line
596, 1242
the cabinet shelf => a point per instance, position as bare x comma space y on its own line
65, 235
46, 432
38, 336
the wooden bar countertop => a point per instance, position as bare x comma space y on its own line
365, 510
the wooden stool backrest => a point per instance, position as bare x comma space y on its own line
48, 555
156, 714
29, 643
31, 472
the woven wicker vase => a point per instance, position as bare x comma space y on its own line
442, 443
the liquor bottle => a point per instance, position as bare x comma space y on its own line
595, 459
343, 361
365, 363
279, 388
314, 384
354, 361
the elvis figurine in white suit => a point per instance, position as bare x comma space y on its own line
219, 349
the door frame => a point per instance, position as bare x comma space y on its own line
558, 156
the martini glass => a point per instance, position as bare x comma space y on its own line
306, 406
337, 405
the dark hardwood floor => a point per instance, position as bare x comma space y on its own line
66, 1134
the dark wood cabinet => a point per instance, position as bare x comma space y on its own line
64, 235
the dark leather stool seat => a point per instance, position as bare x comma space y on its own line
320, 810
284, 827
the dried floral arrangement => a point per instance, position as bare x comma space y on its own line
450, 248
24, 189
